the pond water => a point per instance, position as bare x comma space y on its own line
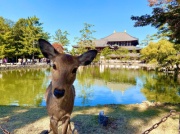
94, 86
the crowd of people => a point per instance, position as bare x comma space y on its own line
24, 61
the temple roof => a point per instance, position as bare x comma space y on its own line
120, 36
117, 36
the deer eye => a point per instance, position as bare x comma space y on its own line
74, 70
54, 66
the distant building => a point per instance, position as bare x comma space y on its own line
116, 40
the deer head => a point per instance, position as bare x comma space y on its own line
64, 66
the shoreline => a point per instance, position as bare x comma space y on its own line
14, 67
114, 65
9, 66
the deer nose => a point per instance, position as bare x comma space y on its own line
59, 92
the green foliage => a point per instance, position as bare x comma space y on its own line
161, 88
20, 39
61, 37
165, 17
26, 34
106, 52
86, 34
122, 53
73, 51
6, 47
162, 52
81, 50
86, 39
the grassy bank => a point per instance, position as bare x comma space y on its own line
123, 119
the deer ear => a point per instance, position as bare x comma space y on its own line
47, 49
87, 57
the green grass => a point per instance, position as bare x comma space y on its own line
123, 119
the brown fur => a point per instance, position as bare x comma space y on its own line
63, 75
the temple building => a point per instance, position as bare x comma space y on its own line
116, 40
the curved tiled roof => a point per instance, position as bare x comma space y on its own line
101, 42
117, 36
120, 36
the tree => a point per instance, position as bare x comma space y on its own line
6, 47
26, 32
61, 38
122, 53
106, 52
165, 17
30, 36
86, 39
163, 53
81, 49
73, 51
78, 51
20, 38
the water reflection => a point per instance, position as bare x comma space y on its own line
161, 88
22, 87
122, 86
108, 86
94, 86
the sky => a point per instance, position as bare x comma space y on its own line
107, 16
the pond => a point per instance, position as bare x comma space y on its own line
94, 86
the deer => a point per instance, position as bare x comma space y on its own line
60, 93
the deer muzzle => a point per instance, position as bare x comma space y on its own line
58, 93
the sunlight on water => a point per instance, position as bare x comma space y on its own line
94, 86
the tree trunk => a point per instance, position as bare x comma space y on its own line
176, 72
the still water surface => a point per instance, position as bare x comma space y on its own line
94, 86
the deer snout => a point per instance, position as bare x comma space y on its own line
59, 92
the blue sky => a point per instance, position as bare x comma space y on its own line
70, 15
